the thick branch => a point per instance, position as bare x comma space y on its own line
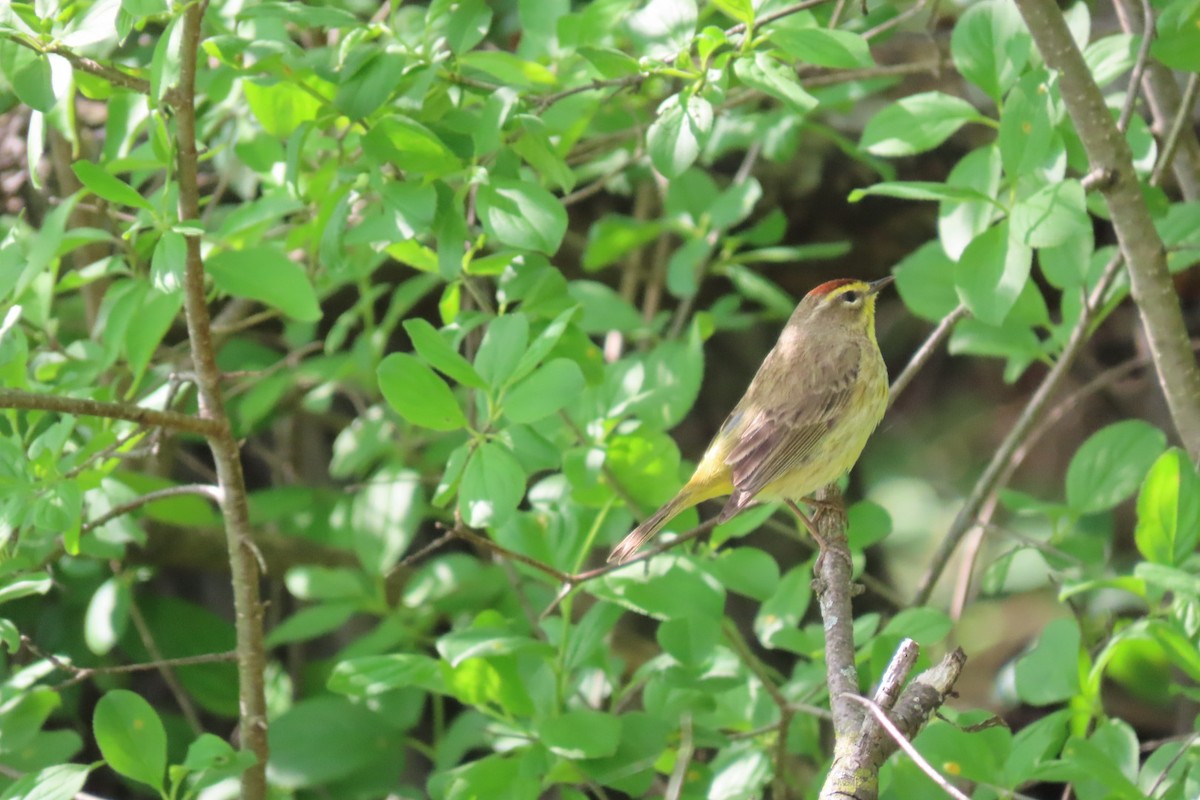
1145, 255
82, 407
242, 557
835, 586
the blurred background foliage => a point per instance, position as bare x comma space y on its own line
512, 263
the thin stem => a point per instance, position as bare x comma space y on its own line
172, 420
1139, 67
199, 489
904, 744
925, 352
1179, 129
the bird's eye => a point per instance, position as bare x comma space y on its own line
851, 297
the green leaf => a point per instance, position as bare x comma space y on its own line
581, 734
375, 675
991, 273
1027, 136
109, 187
925, 280
824, 47
1168, 579
691, 640
458, 646
369, 84
267, 275
678, 134
991, 46
1177, 44
432, 347
352, 737
747, 571
33, 84
613, 236
59, 782
384, 517
107, 615
866, 524
418, 395
24, 585
508, 69
663, 27
521, 214
552, 386
1109, 466
1111, 57
1168, 510
493, 484
309, 623
738, 10
782, 612
166, 63
131, 737
916, 123
666, 590
1049, 673
611, 63
281, 108
961, 220
468, 24
764, 73
921, 190
502, 348
603, 309
410, 146
925, 626
1052, 216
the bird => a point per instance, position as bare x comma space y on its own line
804, 420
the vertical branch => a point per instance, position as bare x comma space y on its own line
1150, 282
834, 588
251, 657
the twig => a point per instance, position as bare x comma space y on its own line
683, 759
882, 719
186, 706
925, 352
995, 473
173, 420
1139, 67
207, 491
1180, 126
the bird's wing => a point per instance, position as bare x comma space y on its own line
776, 438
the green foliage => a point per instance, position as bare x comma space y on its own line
463, 260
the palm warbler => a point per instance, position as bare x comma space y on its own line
805, 419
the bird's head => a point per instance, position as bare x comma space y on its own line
845, 303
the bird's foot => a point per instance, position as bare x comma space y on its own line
823, 545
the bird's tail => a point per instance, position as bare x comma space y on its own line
644, 532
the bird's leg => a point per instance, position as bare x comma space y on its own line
830, 506
823, 547
808, 523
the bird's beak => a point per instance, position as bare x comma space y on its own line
874, 287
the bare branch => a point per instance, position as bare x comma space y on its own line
82, 407
925, 352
